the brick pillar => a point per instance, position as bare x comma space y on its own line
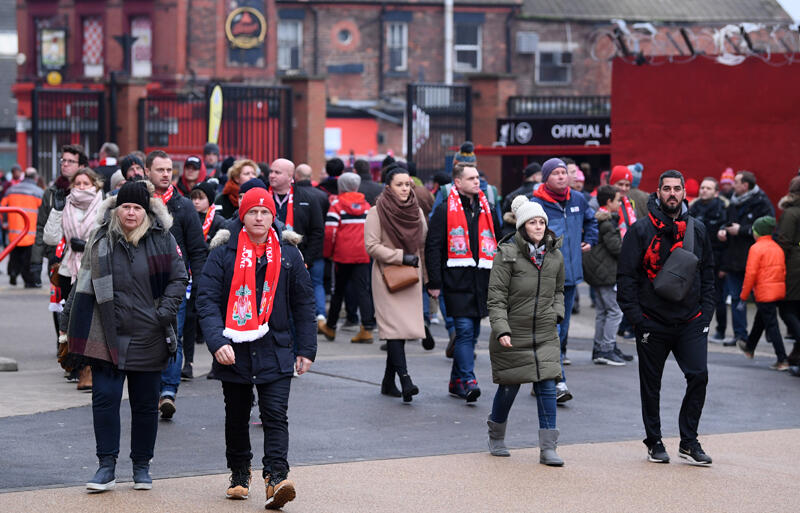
490, 95
129, 91
308, 123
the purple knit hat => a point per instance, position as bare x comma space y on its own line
550, 166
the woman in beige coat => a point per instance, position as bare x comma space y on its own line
395, 235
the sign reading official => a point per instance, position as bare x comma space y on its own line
554, 132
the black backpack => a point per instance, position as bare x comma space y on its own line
674, 281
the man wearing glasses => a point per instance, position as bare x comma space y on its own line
55, 196
661, 325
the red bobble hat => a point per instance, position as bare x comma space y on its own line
620, 173
257, 197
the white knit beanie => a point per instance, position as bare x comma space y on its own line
525, 210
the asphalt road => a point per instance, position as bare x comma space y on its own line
338, 415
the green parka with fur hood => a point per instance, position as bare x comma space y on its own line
526, 302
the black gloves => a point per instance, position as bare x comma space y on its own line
412, 260
77, 245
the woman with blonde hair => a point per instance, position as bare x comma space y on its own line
240, 172
121, 316
395, 236
68, 230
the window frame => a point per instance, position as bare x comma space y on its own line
403, 27
478, 48
555, 48
298, 43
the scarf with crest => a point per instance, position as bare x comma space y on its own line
657, 252
459, 253
246, 319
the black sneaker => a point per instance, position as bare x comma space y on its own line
608, 358
657, 453
186, 373
624, 356
694, 455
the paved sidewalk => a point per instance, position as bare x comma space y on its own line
752, 472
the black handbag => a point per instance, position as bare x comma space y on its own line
674, 281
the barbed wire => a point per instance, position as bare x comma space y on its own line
644, 43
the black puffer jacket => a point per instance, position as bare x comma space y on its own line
308, 222
754, 204
271, 357
465, 289
787, 234
600, 263
635, 294
188, 232
713, 214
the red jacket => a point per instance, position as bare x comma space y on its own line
344, 229
766, 271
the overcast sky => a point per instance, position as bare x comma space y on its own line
792, 7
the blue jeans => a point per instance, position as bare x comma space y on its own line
317, 277
563, 328
171, 376
735, 281
107, 385
449, 323
545, 402
467, 331
426, 307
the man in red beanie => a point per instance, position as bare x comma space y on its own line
255, 292
621, 178
726, 183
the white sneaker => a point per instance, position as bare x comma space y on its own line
435, 319
562, 392
321, 317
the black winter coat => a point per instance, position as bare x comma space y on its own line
635, 294
713, 214
271, 357
370, 189
734, 257
320, 197
308, 222
188, 232
465, 289
216, 224
53, 198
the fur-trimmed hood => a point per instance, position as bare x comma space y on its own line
790, 200
602, 215
158, 210
224, 235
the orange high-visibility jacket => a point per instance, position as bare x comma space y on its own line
27, 196
765, 274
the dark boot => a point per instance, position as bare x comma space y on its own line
548, 440
388, 386
451, 345
141, 476
240, 484
409, 388
428, 343
104, 479
497, 438
794, 356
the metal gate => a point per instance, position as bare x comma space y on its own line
256, 122
438, 117
64, 116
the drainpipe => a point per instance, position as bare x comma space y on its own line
448, 42
316, 40
381, 44
509, 41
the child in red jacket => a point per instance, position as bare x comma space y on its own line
344, 244
766, 277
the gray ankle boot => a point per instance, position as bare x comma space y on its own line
497, 435
104, 479
548, 440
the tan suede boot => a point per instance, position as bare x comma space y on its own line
362, 337
322, 327
85, 379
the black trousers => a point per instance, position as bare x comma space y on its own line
357, 278
396, 357
273, 402
767, 320
790, 313
191, 327
689, 344
19, 263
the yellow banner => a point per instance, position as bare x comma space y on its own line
215, 114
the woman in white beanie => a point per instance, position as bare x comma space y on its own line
526, 302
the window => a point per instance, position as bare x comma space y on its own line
397, 43
290, 44
467, 47
554, 64
93, 46
142, 48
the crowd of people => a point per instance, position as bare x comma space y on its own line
255, 260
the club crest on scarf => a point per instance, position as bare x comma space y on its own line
243, 309
459, 253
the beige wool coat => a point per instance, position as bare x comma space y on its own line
399, 314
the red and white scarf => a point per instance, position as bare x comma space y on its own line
289, 221
627, 216
167, 195
459, 253
241, 325
208, 220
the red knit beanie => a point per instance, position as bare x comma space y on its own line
620, 173
257, 197
727, 176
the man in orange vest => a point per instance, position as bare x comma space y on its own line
27, 196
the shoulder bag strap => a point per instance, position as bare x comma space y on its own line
688, 239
